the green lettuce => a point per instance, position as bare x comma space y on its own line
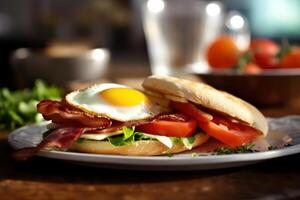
129, 136
18, 108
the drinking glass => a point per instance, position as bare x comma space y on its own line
178, 33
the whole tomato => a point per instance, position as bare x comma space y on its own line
264, 53
291, 59
223, 53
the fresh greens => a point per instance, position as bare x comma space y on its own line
194, 155
170, 155
188, 142
240, 149
128, 132
18, 108
272, 147
80, 140
175, 140
129, 136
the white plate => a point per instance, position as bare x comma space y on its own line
29, 136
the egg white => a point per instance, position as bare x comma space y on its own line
90, 101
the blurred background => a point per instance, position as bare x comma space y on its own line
117, 26
247, 48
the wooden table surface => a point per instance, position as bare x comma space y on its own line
41, 178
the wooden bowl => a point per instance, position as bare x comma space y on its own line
270, 87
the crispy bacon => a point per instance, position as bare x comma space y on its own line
61, 138
116, 125
173, 117
61, 113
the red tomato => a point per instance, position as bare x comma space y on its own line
169, 128
252, 68
291, 59
264, 53
230, 133
223, 53
192, 111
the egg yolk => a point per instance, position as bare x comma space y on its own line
123, 96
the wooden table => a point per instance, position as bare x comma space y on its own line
41, 178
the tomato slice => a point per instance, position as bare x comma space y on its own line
169, 128
225, 130
230, 133
192, 111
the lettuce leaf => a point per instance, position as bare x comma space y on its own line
18, 107
129, 136
188, 142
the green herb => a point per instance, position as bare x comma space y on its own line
194, 155
242, 61
18, 108
169, 154
272, 147
80, 141
240, 149
285, 48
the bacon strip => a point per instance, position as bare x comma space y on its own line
63, 114
173, 117
61, 138
116, 125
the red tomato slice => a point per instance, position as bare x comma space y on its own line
192, 111
169, 128
229, 132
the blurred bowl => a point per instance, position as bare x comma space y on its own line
60, 69
268, 88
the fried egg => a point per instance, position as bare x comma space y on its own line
117, 102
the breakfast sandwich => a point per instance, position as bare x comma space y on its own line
170, 115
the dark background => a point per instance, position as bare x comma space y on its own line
116, 24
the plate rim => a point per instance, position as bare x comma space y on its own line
165, 160
178, 160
